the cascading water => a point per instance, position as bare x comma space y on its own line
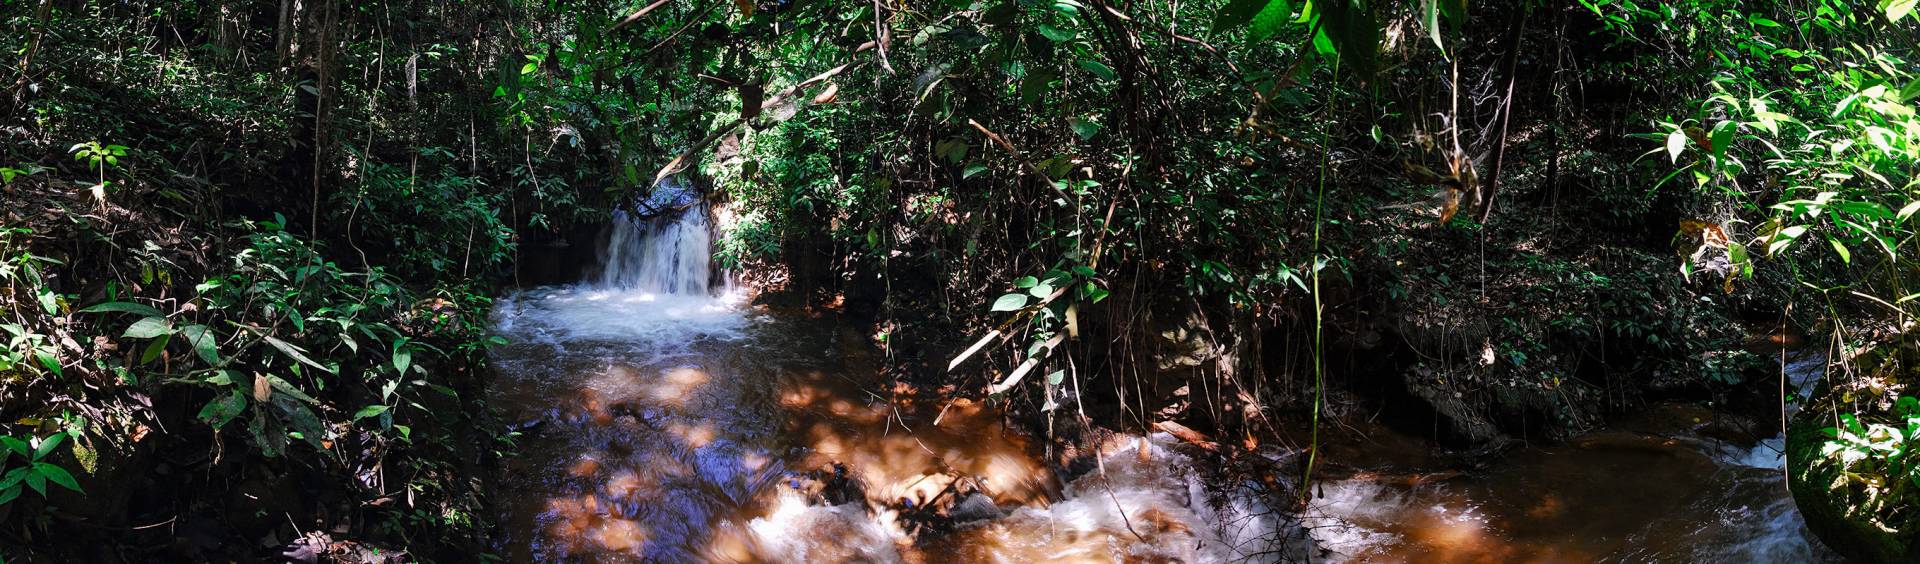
666, 247
670, 422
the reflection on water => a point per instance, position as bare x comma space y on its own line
676, 426
678, 431
692, 429
1659, 495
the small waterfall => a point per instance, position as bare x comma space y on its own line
666, 248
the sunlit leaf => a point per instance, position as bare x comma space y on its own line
1897, 9
1099, 69
128, 307
1270, 20
149, 327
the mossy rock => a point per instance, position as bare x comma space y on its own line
1856, 536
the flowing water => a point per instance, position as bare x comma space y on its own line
676, 424
1674, 484
673, 422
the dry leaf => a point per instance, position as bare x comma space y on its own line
262, 390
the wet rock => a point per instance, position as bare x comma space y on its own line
530, 427
842, 488
1458, 418
1829, 510
975, 506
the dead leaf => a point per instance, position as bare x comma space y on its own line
262, 390
1450, 204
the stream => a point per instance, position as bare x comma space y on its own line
671, 421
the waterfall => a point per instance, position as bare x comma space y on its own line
667, 248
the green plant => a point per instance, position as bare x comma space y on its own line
1877, 454
32, 470
99, 158
20, 272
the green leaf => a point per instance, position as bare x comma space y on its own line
149, 327
1057, 35
370, 411
38, 482
47, 360
294, 352
1351, 32
47, 445
303, 421
1845, 257
154, 348
1033, 88
57, 475
1041, 290
1723, 137
973, 169
1268, 22
402, 358
1908, 210
221, 410
204, 343
1054, 378
1025, 282
1237, 13
1010, 302
9, 494
17, 446
1099, 69
128, 307
268, 434
1084, 128
1430, 18
284, 387
1897, 9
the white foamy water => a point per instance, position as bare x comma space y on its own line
666, 247
1150, 509
676, 416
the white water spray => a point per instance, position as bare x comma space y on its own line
669, 251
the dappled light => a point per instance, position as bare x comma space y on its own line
922, 281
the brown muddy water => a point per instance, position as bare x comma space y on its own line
678, 424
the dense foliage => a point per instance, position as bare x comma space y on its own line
249, 246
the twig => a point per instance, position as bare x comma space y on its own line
635, 17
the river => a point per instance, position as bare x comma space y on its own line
671, 421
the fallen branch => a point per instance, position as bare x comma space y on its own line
1021, 372
1187, 434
